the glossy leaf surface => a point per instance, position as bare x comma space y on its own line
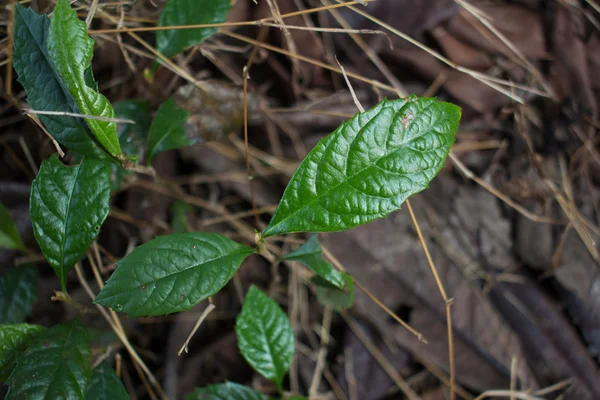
225, 391
167, 131
18, 293
368, 167
56, 365
311, 255
105, 385
188, 12
71, 51
9, 234
172, 273
68, 206
332, 296
265, 336
44, 88
14, 339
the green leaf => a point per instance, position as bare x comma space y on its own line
105, 385
9, 234
71, 51
167, 131
188, 12
18, 293
55, 366
311, 255
368, 166
179, 219
132, 137
67, 207
334, 297
265, 336
14, 339
225, 391
172, 273
45, 90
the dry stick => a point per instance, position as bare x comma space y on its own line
356, 102
120, 334
223, 24
594, 5
91, 12
379, 357
9, 51
483, 78
316, 379
520, 209
336, 263
361, 78
477, 13
37, 121
507, 393
117, 320
261, 36
77, 115
447, 301
203, 316
400, 91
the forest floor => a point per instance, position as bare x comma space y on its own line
512, 222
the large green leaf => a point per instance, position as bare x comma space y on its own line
368, 167
71, 51
225, 391
67, 207
172, 273
14, 339
105, 385
9, 234
55, 366
132, 137
44, 88
188, 12
18, 293
265, 336
311, 255
167, 131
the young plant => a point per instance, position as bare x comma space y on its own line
362, 171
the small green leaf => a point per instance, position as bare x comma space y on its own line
105, 385
67, 207
9, 234
45, 90
368, 167
311, 255
172, 273
225, 391
55, 366
71, 51
179, 219
188, 12
167, 131
331, 296
18, 293
132, 137
14, 339
265, 336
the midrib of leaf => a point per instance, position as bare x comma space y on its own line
157, 145
348, 177
181, 271
271, 351
68, 219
